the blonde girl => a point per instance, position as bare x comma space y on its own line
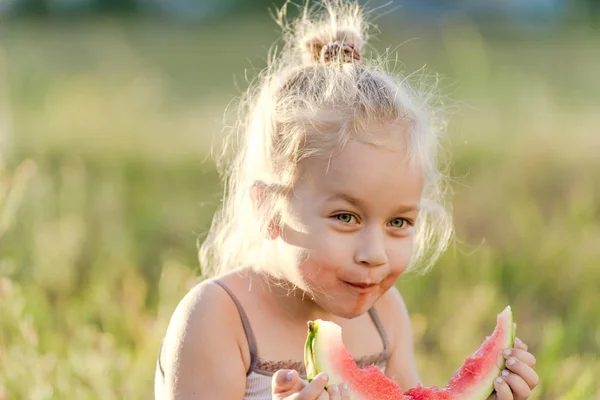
333, 191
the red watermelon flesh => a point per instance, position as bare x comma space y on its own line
325, 352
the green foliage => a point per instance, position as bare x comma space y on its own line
117, 121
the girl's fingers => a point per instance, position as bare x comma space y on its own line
528, 375
286, 381
339, 392
334, 392
522, 355
315, 390
503, 391
323, 396
520, 389
345, 390
519, 344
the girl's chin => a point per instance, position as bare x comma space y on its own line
351, 314
349, 308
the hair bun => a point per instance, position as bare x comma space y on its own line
338, 51
332, 33
341, 52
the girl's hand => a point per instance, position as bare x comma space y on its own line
518, 379
287, 385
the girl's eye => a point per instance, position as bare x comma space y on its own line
345, 218
398, 223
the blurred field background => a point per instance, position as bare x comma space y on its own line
106, 184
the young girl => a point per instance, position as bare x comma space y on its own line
335, 191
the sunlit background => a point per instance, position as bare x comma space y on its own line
108, 109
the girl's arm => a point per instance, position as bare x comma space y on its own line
401, 363
202, 355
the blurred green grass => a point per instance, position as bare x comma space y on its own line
117, 119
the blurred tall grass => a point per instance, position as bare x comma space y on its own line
116, 119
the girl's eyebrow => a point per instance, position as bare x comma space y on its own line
402, 209
405, 209
346, 197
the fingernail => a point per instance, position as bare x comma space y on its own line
345, 386
326, 377
335, 388
511, 361
288, 376
507, 352
505, 373
518, 341
499, 380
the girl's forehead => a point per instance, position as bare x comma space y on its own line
363, 169
356, 157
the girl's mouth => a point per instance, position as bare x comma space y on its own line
361, 287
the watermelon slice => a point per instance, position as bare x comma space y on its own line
325, 352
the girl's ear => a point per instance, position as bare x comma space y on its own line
258, 194
261, 199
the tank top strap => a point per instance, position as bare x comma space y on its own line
246, 324
375, 317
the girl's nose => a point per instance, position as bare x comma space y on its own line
370, 249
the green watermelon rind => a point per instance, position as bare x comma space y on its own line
309, 354
314, 359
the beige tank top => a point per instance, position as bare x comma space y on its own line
258, 376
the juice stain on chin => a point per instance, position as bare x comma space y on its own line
360, 303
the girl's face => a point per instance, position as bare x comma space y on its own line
350, 220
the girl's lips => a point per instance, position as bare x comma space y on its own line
362, 287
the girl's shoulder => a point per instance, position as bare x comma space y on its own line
207, 302
205, 328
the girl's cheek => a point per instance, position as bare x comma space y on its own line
399, 264
316, 275
388, 282
328, 245
400, 259
323, 258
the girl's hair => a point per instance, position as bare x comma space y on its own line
309, 102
